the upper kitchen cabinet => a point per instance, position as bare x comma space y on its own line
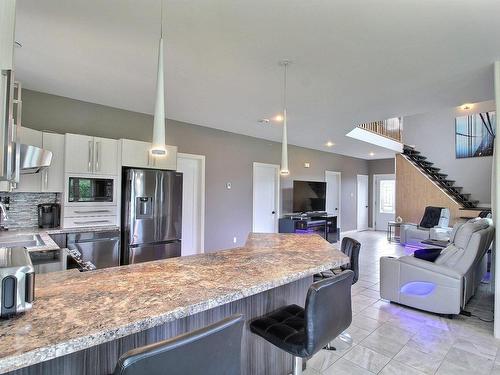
7, 27
94, 155
53, 176
50, 179
138, 154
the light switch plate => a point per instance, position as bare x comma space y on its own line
228, 185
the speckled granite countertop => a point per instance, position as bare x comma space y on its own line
74, 311
44, 234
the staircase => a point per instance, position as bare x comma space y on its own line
439, 178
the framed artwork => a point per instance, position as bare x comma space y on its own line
474, 135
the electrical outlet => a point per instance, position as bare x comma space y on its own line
234, 239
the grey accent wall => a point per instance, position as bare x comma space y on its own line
23, 209
381, 166
229, 158
433, 134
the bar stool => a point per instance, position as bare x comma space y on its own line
351, 248
304, 331
213, 350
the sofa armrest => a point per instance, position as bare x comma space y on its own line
440, 233
432, 267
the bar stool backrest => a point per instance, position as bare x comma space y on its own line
351, 248
213, 350
328, 310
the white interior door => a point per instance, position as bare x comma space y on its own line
333, 181
384, 208
193, 203
265, 198
362, 199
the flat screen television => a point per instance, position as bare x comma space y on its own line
309, 196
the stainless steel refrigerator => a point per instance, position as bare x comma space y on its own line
151, 215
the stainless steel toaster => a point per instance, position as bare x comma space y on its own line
17, 277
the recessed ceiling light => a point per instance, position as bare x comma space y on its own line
278, 118
466, 106
372, 154
264, 121
330, 144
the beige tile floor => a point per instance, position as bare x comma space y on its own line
390, 339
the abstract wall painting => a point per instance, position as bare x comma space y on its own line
475, 135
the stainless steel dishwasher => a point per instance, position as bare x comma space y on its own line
100, 248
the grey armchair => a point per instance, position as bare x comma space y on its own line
434, 226
445, 285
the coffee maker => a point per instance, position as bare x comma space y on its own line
49, 215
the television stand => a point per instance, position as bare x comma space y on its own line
314, 222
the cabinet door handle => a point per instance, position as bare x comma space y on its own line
97, 151
92, 212
90, 156
92, 222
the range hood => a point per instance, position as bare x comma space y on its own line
34, 159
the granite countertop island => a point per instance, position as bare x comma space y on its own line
74, 311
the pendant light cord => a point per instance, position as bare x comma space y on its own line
161, 19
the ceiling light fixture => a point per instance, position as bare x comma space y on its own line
158, 148
278, 118
466, 106
372, 154
330, 144
264, 121
284, 141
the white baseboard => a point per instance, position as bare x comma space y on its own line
348, 232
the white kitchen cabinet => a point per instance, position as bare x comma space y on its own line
53, 176
30, 182
90, 155
7, 27
138, 154
78, 153
105, 156
49, 179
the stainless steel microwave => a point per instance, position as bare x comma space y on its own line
89, 189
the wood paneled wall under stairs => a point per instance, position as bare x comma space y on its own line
415, 191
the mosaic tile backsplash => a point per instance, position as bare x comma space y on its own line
23, 211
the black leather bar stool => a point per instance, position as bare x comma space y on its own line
351, 248
304, 331
213, 350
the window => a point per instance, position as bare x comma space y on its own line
387, 196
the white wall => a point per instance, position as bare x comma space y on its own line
433, 134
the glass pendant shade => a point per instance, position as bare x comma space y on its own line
284, 171
159, 115
284, 149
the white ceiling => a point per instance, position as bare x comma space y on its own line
353, 60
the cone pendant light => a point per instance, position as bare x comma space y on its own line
284, 171
159, 148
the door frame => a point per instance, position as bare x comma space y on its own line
202, 159
276, 167
339, 194
357, 200
374, 195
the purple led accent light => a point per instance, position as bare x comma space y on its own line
418, 288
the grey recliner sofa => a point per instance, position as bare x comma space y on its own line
434, 226
445, 285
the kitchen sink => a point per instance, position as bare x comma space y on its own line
21, 240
